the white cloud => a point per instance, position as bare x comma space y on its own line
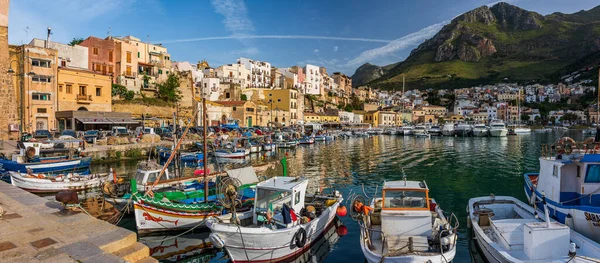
402, 43
316, 51
335, 48
246, 36
236, 17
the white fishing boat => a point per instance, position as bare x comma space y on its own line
40, 183
235, 153
268, 146
405, 226
448, 129
498, 129
544, 130
508, 230
420, 131
480, 130
285, 222
522, 130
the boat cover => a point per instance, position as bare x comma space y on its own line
246, 175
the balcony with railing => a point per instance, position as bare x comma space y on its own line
83, 98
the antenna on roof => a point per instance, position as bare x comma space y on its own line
108, 31
26, 29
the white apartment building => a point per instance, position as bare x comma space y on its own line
260, 72
313, 77
235, 73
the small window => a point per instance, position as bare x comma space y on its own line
98, 67
234, 108
42, 110
40, 96
128, 57
297, 198
278, 100
69, 88
555, 171
593, 173
63, 63
60, 88
98, 92
110, 56
110, 69
160, 71
138, 54
95, 51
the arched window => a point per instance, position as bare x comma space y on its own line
82, 109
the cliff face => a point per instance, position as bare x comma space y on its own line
502, 41
366, 73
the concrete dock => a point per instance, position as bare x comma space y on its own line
34, 229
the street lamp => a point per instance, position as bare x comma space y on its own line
21, 88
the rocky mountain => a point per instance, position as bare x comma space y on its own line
491, 44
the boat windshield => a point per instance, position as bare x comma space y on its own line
139, 176
272, 199
404, 199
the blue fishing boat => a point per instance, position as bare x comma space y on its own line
29, 159
569, 181
188, 159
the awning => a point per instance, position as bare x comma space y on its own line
98, 120
117, 120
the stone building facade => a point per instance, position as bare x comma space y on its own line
9, 116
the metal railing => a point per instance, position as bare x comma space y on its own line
83, 97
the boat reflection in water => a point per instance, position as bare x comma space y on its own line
197, 247
194, 247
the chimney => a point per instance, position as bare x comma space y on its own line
48, 37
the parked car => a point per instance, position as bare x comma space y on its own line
119, 131
163, 133
146, 130
69, 133
90, 135
42, 134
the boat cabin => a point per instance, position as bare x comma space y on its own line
273, 194
147, 173
572, 179
405, 209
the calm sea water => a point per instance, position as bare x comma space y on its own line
454, 168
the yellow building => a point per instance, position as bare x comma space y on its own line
381, 118
330, 118
243, 111
286, 100
435, 110
36, 70
82, 90
312, 117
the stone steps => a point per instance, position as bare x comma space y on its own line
133, 253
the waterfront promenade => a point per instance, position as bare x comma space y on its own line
34, 229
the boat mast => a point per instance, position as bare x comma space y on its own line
175, 144
598, 108
205, 155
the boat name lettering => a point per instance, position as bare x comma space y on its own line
595, 218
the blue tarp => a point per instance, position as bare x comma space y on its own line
591, 158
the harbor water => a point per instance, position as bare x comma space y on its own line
455, 169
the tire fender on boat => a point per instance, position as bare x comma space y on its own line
216, 240
300, 238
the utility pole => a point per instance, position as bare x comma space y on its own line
205, 153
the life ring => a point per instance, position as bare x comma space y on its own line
300, 238
568, 144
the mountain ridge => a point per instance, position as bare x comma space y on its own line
491, 44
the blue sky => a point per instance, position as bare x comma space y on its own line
338, 34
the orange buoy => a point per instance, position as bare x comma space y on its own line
341, 230
341, 211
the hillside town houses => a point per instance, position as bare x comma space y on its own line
72, 86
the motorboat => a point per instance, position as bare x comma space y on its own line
463, 129
307, 140
498, 129
420, 131
508, 230
407, 130
405, 225
44, 184
448, 129
480, 130
544, 130
29, 159
435, 130
286, 221
390, 131
568, 179
522, 130
231, 153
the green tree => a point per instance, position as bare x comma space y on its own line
169, 89
355, 101
537, 119
75, 41
118, 90
570, 117
348, 108
244, 97
525, 117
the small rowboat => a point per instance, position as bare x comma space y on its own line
40, 183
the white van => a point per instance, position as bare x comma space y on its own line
119, 131
147, 130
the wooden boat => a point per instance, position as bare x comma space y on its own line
405, 226
29, 159
508, 230
274, 235
176, 210
40, 183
